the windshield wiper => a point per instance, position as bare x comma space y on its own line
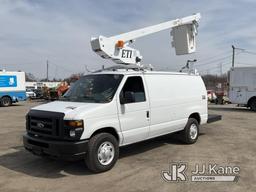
65, 98
93, 99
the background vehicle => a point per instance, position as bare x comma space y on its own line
12, 87
39, 93
242, 86
211, 96
30, 93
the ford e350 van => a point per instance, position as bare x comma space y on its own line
106, 110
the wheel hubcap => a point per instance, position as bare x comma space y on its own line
193, 131
5, 101
106, 153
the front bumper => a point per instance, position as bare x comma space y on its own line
67, 150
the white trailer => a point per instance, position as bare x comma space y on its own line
242, 86
38, 85
12, 87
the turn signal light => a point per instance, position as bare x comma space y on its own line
74, 123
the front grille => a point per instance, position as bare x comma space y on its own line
45, 124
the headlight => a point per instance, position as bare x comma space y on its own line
73, 128
72, 133
76, 132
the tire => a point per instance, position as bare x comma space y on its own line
253, 105
5, 101
191, 131
99, 162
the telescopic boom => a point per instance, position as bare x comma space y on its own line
117, 47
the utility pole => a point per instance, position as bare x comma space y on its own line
47, 70
233, 56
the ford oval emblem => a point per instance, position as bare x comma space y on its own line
40, 125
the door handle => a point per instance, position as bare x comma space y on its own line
147, 114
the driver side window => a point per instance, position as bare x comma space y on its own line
134, 86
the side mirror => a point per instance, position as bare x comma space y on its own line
127, 97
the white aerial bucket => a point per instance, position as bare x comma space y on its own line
184, 38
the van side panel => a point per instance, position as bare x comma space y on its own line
173, 98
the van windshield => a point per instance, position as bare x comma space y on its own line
99, 88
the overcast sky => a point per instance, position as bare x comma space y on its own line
32, 31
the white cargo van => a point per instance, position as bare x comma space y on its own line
105, 110
242, 86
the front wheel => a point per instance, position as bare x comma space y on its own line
5, 101
103, 152
191, 131
253, 105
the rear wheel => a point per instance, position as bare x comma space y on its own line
5, 101
253, 105
103, 152
191, 131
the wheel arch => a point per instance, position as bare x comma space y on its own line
5, 96
196, 116
110, 130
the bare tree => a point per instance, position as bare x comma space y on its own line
30, 77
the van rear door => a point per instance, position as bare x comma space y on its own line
133, 110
